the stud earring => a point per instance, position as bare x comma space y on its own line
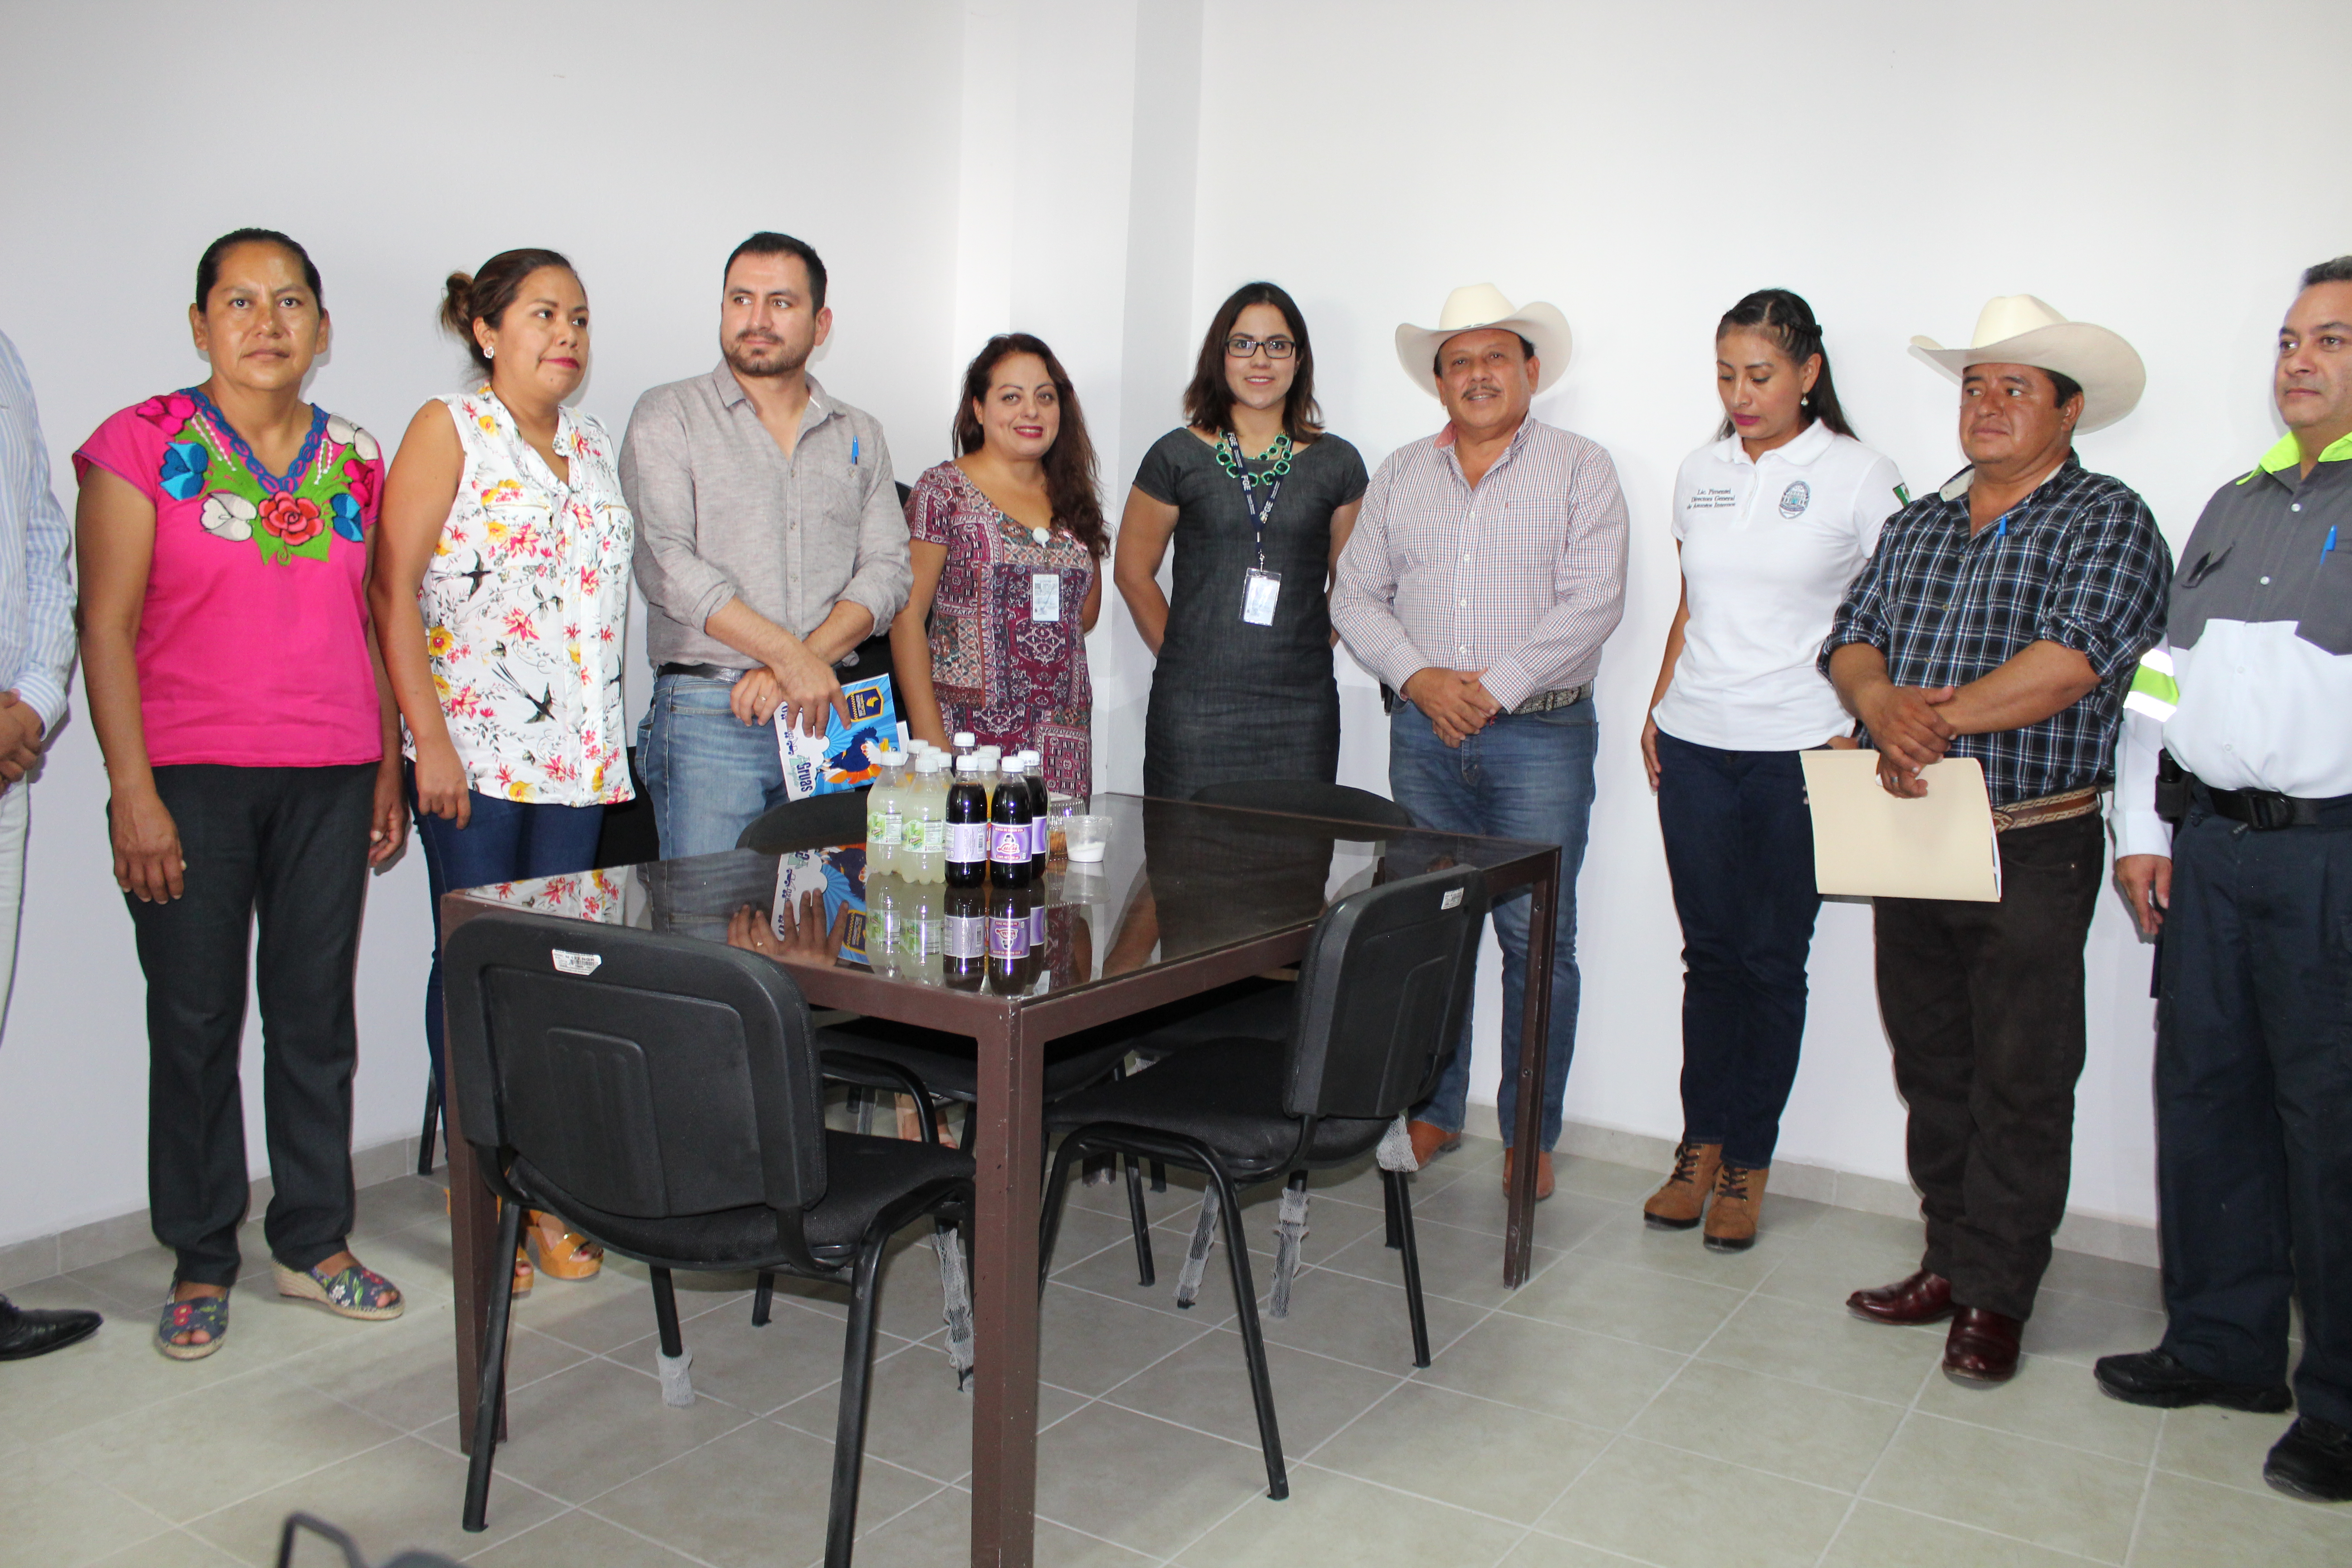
490, 353
1806, 400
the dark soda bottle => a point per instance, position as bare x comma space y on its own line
1040, 829
965, 949
1009, 839
1010, 967
967, 815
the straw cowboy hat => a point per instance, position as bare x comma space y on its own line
1482, 305
2018, 328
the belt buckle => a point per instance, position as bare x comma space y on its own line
2266, 812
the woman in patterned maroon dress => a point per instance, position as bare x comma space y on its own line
1006, 541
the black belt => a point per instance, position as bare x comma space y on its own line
701, 671
2265, 810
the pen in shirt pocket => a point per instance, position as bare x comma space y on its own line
2328, 548
852, 451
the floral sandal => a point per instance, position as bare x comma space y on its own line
198, 1314
353, 1291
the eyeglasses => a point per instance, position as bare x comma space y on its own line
1240, 347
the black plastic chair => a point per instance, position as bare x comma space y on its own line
663, 1095
1382, 993
818, 822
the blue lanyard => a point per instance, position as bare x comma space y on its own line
1258, 514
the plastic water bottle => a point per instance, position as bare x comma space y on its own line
886, 815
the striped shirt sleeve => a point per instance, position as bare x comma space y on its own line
42, 568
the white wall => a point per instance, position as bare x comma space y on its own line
1102, 174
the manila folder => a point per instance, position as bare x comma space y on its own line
1867, 842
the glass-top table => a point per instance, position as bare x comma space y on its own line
1187, 898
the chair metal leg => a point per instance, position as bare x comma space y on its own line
856, 1380
761, 1294
1388, 1204
1141, 1221
1049, 1209
1269, 1436
424, 1137
1158, 1177
493, 1379
666, 1314
1400, 1208
861, 1100
971, 1126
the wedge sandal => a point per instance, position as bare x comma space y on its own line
354, 1291
199, 1314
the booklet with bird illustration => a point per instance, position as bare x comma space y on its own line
847, 756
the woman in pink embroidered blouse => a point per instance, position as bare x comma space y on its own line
223, 533
1006, 542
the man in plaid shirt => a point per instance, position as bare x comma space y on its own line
1484, 573
2000, 619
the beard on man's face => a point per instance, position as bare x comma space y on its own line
764, 355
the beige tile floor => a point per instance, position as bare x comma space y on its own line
1641, 1400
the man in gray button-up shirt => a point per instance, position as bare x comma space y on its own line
770, 544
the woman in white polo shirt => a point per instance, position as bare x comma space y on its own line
1773, 518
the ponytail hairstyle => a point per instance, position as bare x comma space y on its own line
1785, 318
485, 296
1071, 478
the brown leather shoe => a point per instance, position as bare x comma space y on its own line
1923, 1297
1676, 1205
1981, 1347
1430, 1140
1543, 1173
1732, 1217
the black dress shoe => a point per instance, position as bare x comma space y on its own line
30, 1334
2158, 1377
1923, 1297
1983, 1346
2314, 1461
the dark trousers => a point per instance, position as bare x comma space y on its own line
1984, 1006
2254, 1103
502, 841
285, 850
1739, 849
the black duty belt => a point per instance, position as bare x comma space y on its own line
2266, 811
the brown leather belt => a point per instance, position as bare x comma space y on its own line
2046, 808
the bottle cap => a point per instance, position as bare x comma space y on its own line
965, 737
1013, 768
967, 765
932, 763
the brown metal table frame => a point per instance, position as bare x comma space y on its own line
1010, 1032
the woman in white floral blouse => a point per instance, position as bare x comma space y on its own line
504, 525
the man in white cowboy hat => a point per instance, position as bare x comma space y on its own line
2000, 619
1485, 569
2252, 702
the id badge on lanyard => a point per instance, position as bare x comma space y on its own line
1261, 589
1045, 596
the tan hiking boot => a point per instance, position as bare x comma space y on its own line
1731, 1218
1676, 1205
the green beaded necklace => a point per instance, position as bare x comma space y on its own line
1276, 458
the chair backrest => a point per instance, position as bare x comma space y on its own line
1307, 797
648, 1076
817, 822
1382, 991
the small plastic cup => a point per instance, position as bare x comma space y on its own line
1089, 837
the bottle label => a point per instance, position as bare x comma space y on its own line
1008, 843
935, 835
967, 843
882, 828
967, 936
1008, 938
1037, 925
1039, 829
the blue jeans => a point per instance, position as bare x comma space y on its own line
1739, 849
502, 841
1526, 776
709, 774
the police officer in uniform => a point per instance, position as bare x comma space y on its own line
2252, 894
